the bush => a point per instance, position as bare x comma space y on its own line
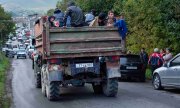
4, 65
148, 74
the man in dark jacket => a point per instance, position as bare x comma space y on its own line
144, 58
155, 60
59, 16
76, 14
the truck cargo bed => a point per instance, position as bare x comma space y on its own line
78, 42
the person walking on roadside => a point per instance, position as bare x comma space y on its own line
168, 56
76, 15
144, 58
155, 60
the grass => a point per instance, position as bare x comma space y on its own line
148, 74
4, 66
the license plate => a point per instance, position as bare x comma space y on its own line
131, 67
84, 65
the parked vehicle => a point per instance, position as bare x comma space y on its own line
4, 48
168, 75
9, 53
72, 56
30, 50
131, 66
13, 38
9, 50
21, 53
15, 49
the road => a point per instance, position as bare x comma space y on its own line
130, 94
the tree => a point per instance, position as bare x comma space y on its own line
62, 4
98, 5
6, 24
50, 12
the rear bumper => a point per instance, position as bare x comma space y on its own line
21, 55
131, 73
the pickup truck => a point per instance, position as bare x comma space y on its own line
76, 56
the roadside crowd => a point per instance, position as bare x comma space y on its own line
156, 59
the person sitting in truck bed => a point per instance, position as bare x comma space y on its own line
59, 15
51, 20
111, 19
100, 20
76, 14
90, 17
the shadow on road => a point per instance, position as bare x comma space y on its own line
79, 93
176, 91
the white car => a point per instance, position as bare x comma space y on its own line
168, 75
4, 49
21, 53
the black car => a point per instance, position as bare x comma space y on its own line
131, 66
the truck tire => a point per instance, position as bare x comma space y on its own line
43, 88
110, 87
53, 91
38, 81
97, 89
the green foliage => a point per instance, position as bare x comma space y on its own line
151, 23
148, 74
98, 5
4, 65
50, 12
6, 24
62, 4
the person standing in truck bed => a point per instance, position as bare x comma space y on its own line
76, 14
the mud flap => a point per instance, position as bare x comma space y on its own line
113, 70
55, 76
113, 73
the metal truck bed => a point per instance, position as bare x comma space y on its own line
77, 42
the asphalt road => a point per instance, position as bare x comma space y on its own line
130, 94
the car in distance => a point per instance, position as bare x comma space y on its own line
131, 66
21, 53
168, 75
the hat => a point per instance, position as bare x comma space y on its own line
156, 50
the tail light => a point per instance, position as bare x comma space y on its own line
54, 61
115, 58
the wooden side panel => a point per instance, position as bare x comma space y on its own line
84, 42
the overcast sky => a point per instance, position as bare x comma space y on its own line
28, 4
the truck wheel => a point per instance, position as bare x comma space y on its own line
32, 64
97, 89
110, 87
53, 91
38, 81
43, 88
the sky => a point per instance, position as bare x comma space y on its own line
39, 5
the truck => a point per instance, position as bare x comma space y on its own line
75, 56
